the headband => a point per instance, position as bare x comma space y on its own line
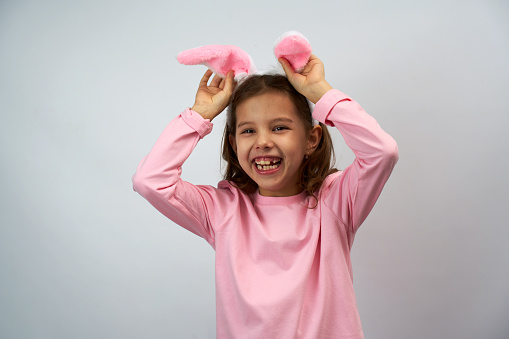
292, 46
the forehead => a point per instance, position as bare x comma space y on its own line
267, 106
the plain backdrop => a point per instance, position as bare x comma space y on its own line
86, 87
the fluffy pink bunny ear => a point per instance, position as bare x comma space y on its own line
219, 58
294, 47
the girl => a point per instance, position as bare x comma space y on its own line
283, 222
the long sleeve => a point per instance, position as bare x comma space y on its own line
353, 192
158, 180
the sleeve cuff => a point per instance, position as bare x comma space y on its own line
327, 103
197, 122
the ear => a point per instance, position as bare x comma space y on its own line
294, 47
219, 58
233, 143
315, 135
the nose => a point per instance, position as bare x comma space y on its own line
264, 141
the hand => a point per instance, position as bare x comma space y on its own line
311, 81
212, 99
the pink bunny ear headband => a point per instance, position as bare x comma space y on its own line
221, 59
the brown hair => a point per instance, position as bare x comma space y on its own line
314, 169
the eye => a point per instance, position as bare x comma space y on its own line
247, 131
280, 128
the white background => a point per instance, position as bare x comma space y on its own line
87, 86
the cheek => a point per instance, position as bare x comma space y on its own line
242, 151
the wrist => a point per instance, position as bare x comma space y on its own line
318, 91
203, 112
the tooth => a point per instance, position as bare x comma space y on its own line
259, 167
264, 168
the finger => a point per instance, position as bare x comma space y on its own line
223, 81
286, 67
307, 69
311, 62
229, 83
215, 81
314, 60
313, 57
291, 75
205, 79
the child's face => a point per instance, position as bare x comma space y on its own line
271, 142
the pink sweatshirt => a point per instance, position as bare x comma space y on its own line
283, 270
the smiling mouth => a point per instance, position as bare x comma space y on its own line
267, 164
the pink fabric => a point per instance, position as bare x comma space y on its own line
295, 48
219, 58
283, 270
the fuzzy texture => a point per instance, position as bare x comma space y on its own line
220, 59
294, 47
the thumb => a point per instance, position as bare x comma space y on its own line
287, 67
294, 78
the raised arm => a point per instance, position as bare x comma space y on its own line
353, 192
157, 177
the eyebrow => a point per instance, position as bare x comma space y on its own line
272, 121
